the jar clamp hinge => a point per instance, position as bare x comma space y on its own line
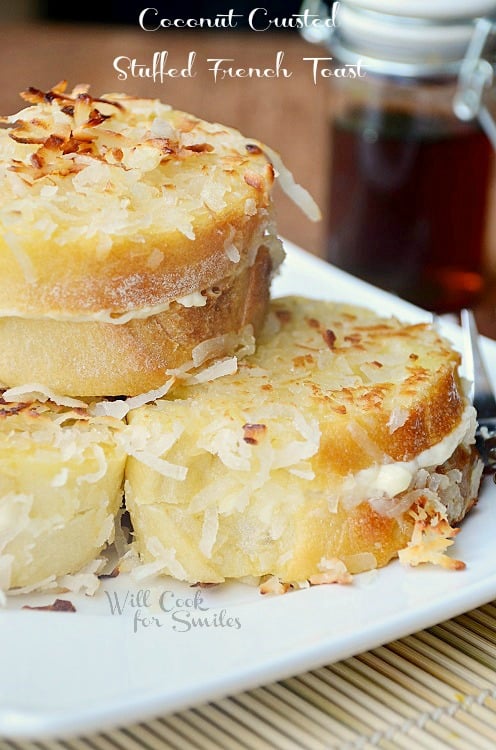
476, 78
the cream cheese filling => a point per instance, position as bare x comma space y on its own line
195, 299
267, 238
390, 479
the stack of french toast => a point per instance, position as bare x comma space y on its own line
145, 367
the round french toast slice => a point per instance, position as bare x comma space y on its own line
61, 486
345, 440
129, 233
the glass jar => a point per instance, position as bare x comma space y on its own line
409, 180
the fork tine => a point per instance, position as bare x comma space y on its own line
483, 394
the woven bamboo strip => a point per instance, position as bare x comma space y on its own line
357, 717
399, 724
437, 664
185, 732
408, 714
469, 668
385, 675
145, 737
76, 744
124, 740
442, 693
384, 678
404, 683
303, 721
322, 720
402, 686
482, 619
209, 718
98, 742
481, 626
345, 731
268, 711
455, 722
460, 662
402, 740
417, 738
489, 609
192, 727
425, 740
367, 705
416, 674
385, 697
472, 642
266, 736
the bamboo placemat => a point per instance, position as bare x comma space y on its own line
434, 690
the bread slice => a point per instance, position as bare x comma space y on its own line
61, 481
344, 440
129, 233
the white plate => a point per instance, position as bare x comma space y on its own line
65, 674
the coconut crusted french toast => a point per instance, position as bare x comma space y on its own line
344, 440
130, 232
61, 486
137, 246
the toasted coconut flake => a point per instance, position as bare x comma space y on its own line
59, 605
148, 449
397, 419
332, 571
274, 587
119, 408
297, 193
164, 562
329, 338
227, 366
432, 536
253, 433
254, 180
38, 392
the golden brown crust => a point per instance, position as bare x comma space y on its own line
116, 215
121, 203
411, 369
70, 281
434, 411
103, 359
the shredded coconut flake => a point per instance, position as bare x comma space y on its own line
274, 587
297, 193
37, 392
432, 535
332, 571
209, 531
121, 407
397, 419
165, 562
226, 366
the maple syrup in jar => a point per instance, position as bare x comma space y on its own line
408, 203
409, 175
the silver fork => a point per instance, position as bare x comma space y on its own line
482, 392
